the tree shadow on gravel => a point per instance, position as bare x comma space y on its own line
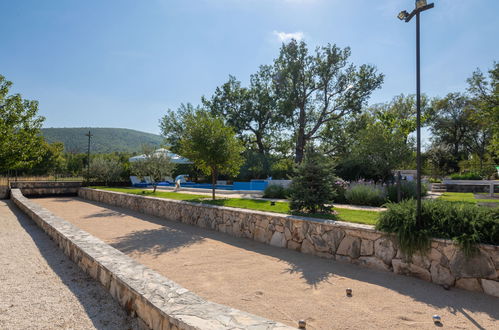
155, 241
105, 214
93, 297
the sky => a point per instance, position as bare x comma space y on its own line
123, 63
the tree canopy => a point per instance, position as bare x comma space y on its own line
20, 125
321, 87
211, 145
155, 165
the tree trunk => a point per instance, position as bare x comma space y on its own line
213, 182
300, 138
259, 143
300, 146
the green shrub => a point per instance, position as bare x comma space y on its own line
466, 176
466, 224
340, 187
407, 190
312, 186
365, 195
275, 191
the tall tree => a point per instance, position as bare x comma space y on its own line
399, 115
52, 159
252, 111
480, 136
211, 145
485, 99
19, 130
317, 88
172, 125
451, 126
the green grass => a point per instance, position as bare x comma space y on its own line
465, 198
458, 197
357, 216
161, 194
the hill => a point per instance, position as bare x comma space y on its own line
104, 140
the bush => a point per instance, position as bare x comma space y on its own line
340, 187
365, 195
407, 190
466, 224
466, 176
275, 191
312, 186
105, 169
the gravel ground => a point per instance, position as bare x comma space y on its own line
40, 288
275, 283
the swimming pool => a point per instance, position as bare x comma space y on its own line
252, 185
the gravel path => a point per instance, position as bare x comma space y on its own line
275, 283
40, 288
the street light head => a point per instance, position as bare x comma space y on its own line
420, 3
403, 15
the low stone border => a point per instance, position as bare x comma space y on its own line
159, 302
41, 188
359, 244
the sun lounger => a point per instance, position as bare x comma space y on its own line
136, 182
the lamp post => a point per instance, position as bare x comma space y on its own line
421, 6
88, 155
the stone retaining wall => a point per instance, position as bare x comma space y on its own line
157, 301
41, 188
359, 244
4, 192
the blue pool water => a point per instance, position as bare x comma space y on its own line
253, 185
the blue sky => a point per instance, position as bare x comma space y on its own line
123, 63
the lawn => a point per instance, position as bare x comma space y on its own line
465, 198
162, 194
357, 216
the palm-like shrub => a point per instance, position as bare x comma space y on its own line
465, 223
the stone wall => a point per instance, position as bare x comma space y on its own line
4, 192
44, 188
359, 244
157, 301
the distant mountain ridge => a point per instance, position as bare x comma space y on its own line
104, 140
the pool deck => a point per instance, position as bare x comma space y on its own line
219, 192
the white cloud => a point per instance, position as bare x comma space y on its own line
284, 37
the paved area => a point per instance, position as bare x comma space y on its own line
207, 192
275, 283
40, 288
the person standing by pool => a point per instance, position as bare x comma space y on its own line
177, 185
178, 180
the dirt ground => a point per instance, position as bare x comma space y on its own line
40, 288
276, 283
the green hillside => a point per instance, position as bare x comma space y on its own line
104, 140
